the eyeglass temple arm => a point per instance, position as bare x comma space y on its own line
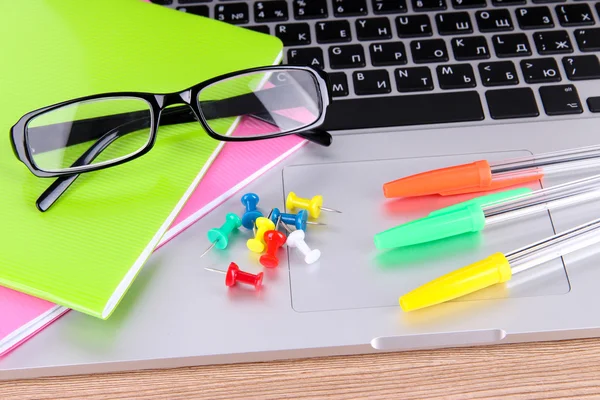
61, 184
183, 114
176, 115
246, 104
318, 136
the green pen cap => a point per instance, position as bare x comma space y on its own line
465, 219
482, 200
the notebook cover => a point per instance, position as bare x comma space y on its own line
87, 249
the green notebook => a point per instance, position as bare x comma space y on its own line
85, 251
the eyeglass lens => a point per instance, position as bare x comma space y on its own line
89, 133
269, 102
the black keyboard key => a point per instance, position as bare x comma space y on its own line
293, 34
416, 79
413, 26
460, 4
578, 14
499, 73
457, 76
455, 23
389, 6
259, 28
512, 103
338, 84
191, 1
333, 31
552, 42
388, 53
534, 17
588, 39
511, 45
428, 5
269, 11
348, 56
494, 20
594, 102
310, 9
162, 2
196, 10
581, 67
371, 82
508, 2
470, 48
378, 112
373, 28
427, 51
311, 56
547, 1
540, 70
349, 8
233, 13
560, 100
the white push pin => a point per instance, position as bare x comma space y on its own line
296, 239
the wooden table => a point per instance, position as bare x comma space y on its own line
553, 370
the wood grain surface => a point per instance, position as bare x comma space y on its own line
550, 370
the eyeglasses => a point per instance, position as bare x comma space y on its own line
100, 131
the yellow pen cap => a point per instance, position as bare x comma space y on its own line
489, 271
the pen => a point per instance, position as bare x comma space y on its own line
477, 214
483, 175
499, 268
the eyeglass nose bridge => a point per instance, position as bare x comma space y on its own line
165, 100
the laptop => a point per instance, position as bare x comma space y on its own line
417, 85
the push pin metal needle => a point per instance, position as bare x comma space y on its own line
314, 205
296, 239
234, 275
299, 220
220, 236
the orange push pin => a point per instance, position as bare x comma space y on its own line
257, 244
314, 206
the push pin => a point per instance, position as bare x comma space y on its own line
314, 205
257, 244
296, 239
298, 220
219, 237
274, 240
250, 200
234, 275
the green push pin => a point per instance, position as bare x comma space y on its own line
219, 237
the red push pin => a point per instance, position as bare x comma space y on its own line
235, 275
274, 240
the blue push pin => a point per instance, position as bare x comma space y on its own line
297, 220
250, 200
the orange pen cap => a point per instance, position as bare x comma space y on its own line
500, 181
458, 179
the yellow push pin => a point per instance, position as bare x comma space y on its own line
257, 244
314, 206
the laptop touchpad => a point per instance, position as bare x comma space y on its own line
351, 273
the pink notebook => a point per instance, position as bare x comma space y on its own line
21, 316
238, 164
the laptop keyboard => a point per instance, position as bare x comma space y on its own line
415, 62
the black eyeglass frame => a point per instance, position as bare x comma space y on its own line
158, 103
